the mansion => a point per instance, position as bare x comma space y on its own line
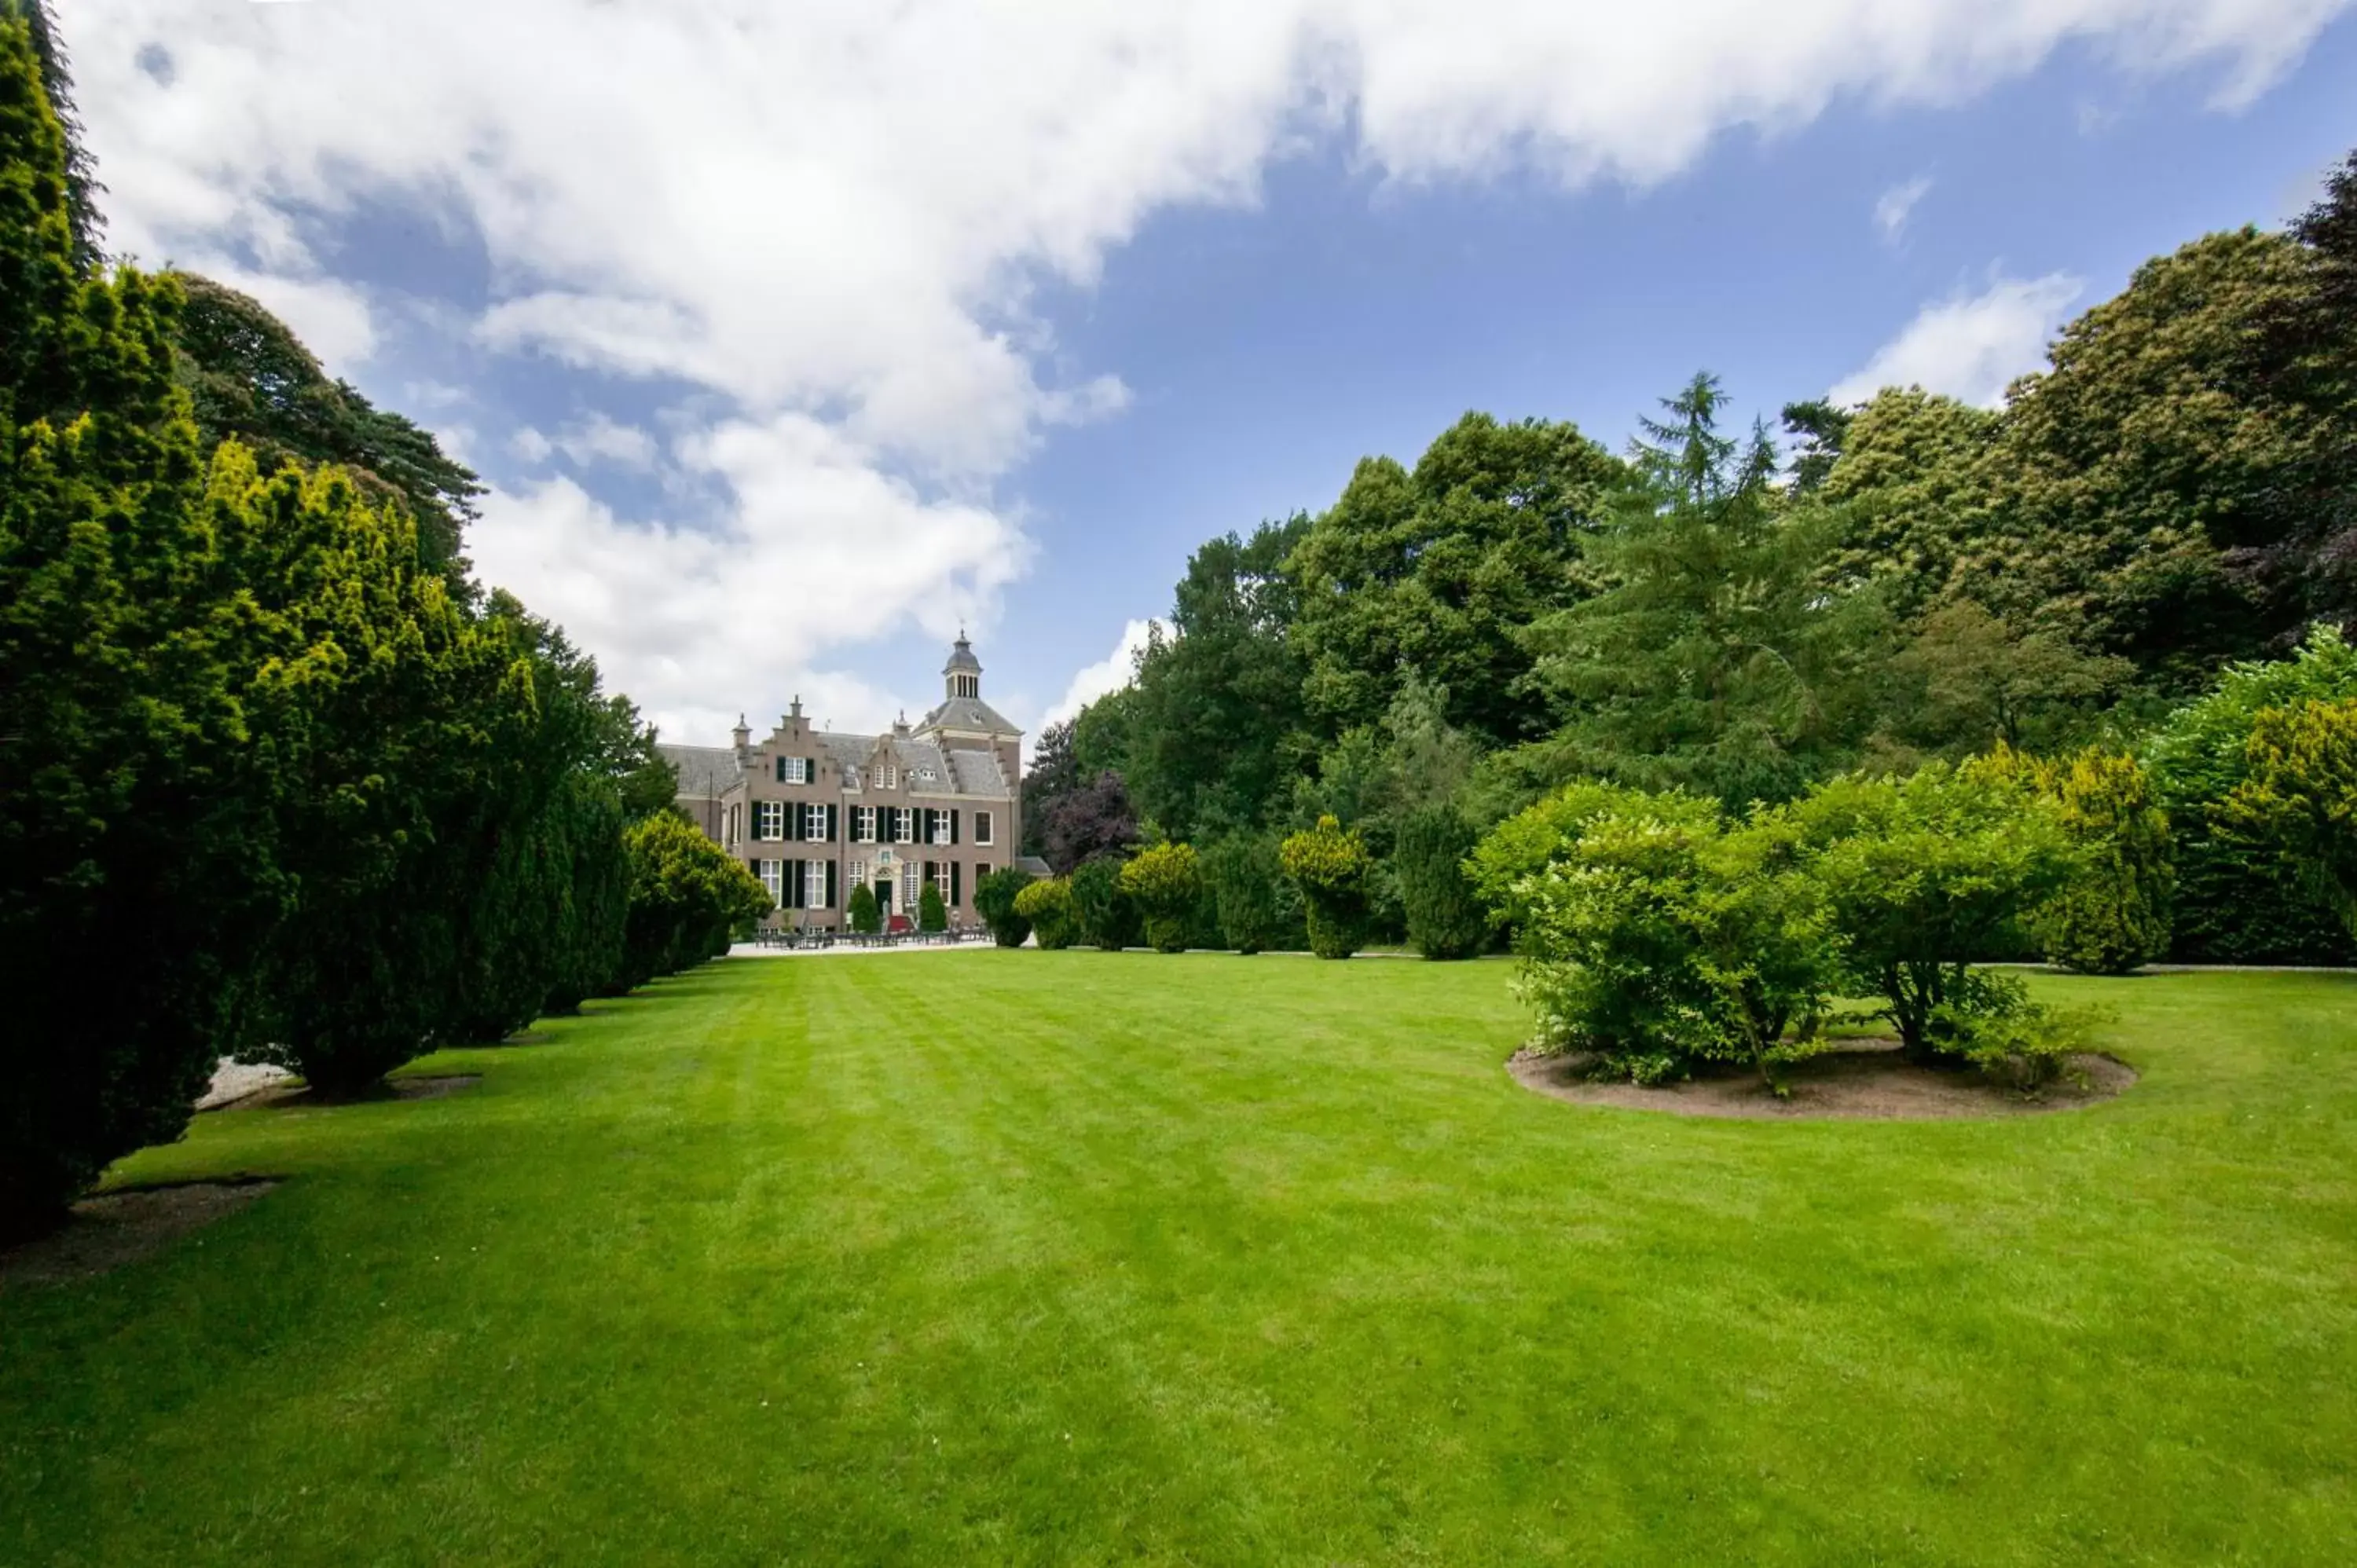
814, 814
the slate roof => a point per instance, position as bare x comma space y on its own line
953, 772
968, 713
704, 771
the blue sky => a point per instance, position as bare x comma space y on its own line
789, 347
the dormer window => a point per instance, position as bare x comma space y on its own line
797, 771
888, 777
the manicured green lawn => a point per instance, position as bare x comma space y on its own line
1077, 1258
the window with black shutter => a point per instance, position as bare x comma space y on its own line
957, 884
831, 880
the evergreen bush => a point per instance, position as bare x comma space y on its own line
867, 918
1164, 883
1238, 871
1107, 917
2299, 799
1445, 919
2111, 915
1331, 868
995, 898
1049, 906
2239, 899
932, 915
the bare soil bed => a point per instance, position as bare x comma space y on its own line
118, 1228
1865, 1080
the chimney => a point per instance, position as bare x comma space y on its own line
743, 734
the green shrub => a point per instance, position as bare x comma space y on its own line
1238, 870
1055, 920
2239, 899
1989, 1021
2113, 915
1656, 941
1331, 868
1108, 918
867, 917
687, 896
1924, 875
932, 915
1164, 883
1445, 920
2300, 800
994, 899
1526, 843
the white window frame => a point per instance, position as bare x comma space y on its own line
981, 831
857, 878
813, 823
773, 878
862, 824
904, 824
912, 881
888, 777
814, 885
769, 822
941, 829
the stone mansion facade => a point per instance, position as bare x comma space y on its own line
814, 814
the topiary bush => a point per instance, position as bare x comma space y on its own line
932, 915
1164, 883
1330, 867
865, 916
1238, 871
1445, 919
995, 898
1055, 919
1108, 919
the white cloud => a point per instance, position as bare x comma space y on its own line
1107, 675
1970, 348
827, 219
1897, 205
822, 546
600, 440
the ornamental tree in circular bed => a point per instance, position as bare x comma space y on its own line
1330, 867
1165, 883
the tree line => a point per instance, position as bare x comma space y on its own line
278, 779
2155, 536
